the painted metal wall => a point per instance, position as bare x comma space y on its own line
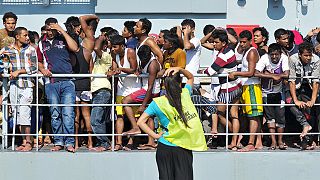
165, 14
142, 166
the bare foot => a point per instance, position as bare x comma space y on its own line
56, 148
305, 131
47, 140
249, 147
27, 147
98, 149
132, 131
70, 149
19, 148
118, 147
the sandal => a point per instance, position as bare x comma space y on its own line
247, 149
272, 148
147, 147
27, 147
282, 146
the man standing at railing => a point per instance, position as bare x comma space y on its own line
53, 57
20, 58
304, 91
251, 88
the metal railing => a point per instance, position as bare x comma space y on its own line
5, 105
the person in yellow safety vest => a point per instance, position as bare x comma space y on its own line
181, 127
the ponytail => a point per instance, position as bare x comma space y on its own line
173, 90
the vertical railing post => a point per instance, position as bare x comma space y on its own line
4, 114
227, 114
112, 114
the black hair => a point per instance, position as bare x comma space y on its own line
173, 30
130, 26
50, 20
117, 40
144, 53
173, 39
318, 37
290, 37
9, 15
305, 46
43, 28
31, 36
70, 24
274, 47
105, 29
264, 33
112, 32
173, 94
189, 22
221, 35
146, 25
246, 34
208, 28
165, 31
93, 23
18, 30
279, 32
232, 32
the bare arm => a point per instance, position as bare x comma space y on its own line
153, 69
88, 41
186, 41
133, 62
142, 123
72, 45
205, 43
155, 49
98, 46
252, 58
186, 73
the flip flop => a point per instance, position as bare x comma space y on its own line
128, 147
147, 147
272, 148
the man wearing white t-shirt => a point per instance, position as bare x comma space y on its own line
271, 68
192, 47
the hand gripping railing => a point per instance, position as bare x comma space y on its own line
5, 105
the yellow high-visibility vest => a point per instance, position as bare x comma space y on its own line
191, 137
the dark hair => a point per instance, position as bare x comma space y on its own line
165, 31
274, 47
305, 46
173, 93
43, 28
146, 25
173, 39
208, 28
117, 40
318, 37
18, 30
290, 37
221, 35
112, 32
144, 53
173, 30
9, 15
31, 36
279, 32
189, 22
50, 20
130, 26
246, 34
264, 33
232, 32
105, 29
93, 23
70, 24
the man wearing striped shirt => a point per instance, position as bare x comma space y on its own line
225, 62
21, 59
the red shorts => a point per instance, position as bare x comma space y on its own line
138, 96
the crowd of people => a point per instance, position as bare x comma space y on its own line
256, 74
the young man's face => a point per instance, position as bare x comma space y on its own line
245, 43
283, 40
275, 56
161, 38
10, 24
305, 57
258, 38
217, 44
117, 49
51, 33
138, 28
166, 45
23, 37
126, 33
